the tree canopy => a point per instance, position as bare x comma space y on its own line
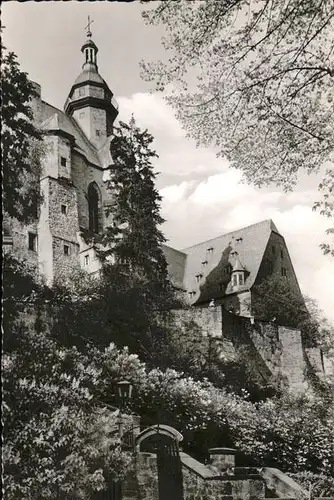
255, 80
264, 74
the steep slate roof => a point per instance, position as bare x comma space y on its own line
176, 261
208, 263
53, 119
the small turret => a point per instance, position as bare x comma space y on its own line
238, 273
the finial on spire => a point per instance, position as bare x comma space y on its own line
89, 33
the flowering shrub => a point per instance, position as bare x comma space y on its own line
59, 441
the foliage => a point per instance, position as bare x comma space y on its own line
264, 83
326, 206
276, 299
22, 148
133, 237
58, 441
319, 485
292, 432
254, 80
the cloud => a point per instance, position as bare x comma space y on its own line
178, 156
150, 111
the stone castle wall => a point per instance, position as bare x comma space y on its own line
275, 352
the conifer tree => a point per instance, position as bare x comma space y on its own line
134, 239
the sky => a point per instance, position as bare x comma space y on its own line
202, 196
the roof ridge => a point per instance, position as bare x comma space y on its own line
270, 221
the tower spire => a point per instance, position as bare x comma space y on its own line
89, 33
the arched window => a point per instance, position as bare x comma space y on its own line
93, 208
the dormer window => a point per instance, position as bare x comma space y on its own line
210, 249
238, 279
86, 260
238, 240
198, 277
204, 263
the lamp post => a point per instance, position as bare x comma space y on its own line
124, 389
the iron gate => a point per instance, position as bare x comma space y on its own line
170, 479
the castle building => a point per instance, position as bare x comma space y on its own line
226, 269
77, 155
223, 270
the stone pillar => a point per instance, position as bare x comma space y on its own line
222, 458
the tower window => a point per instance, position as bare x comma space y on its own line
93, 208
98, 133
63, 161
67, 250
235, 280
86, 260
63, 209
81, 91
82, 114
32, 242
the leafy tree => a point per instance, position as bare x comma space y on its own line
254, 80
276, 300
22, 147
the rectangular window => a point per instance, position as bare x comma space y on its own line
282, 254
86, 260
283, 271
235, 282
63, 209
97, 132
63, 161
81, 91
32, 241
67, 250
273, 249
241, 279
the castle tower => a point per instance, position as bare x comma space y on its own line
90, 101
